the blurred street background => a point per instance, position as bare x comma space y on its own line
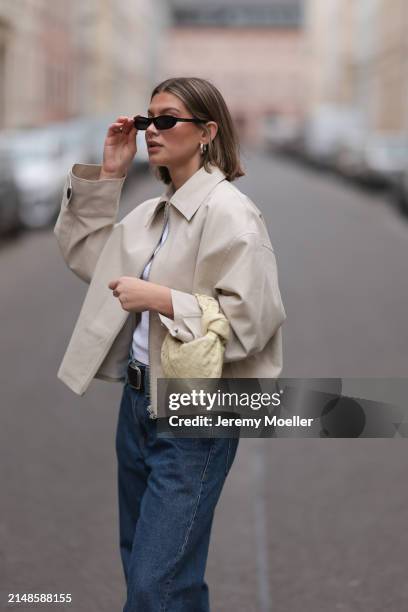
319, 93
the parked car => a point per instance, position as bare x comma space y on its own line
281, 133
76, 141
323, 131
375, 158
400, 190
36, 160
40, 158
9, 201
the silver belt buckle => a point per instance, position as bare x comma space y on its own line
138, 373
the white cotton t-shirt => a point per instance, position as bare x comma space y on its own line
140, 342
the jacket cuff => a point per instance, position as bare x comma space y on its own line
91, 172
89, 196
186, 325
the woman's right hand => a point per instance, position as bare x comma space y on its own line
119, 148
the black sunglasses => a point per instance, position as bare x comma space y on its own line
162, 122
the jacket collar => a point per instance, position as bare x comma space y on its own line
191, 194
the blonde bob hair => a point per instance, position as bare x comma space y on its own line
204, 101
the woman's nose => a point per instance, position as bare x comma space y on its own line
151, 130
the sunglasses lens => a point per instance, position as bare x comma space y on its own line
141, 123
164, 122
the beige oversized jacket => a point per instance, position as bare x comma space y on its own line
217, 244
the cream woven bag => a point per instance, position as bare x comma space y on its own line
201, 357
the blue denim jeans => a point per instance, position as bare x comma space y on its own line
168, 489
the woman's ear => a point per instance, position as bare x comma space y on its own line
212, 129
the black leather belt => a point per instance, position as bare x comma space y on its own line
138, 375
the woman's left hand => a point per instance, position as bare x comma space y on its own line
133, 293
136, 294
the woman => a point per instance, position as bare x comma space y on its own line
201, 236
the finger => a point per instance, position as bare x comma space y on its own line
116, 128
129, 128
112, 284
120, 121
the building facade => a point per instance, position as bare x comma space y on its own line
66, 59
254, 53
358, 56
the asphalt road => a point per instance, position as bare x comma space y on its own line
303, 525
